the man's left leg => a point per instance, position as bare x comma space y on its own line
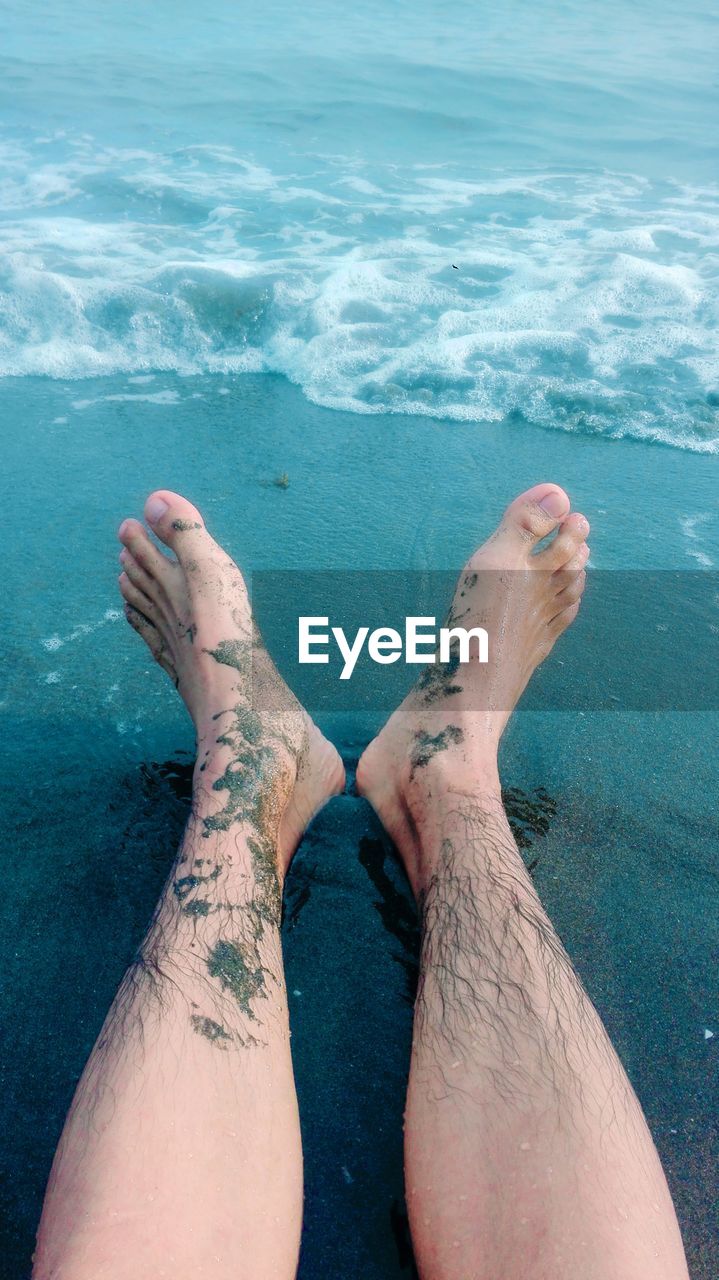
527, 1155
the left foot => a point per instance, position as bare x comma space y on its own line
446, 733
260, 758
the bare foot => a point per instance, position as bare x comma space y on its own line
452, 720
259, 756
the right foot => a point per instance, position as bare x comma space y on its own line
447, 730
260, 757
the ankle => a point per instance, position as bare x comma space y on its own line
435, 788
436, 803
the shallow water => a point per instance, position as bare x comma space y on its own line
483, 247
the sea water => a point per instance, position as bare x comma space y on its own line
408, 260
464, 211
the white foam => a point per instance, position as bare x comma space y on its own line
156, 397
80, 630
701, 557
693, 528
584, 303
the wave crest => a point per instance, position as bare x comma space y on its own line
580, 302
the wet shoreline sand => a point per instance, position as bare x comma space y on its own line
622, 834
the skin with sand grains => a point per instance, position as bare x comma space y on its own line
253, 764
257, 750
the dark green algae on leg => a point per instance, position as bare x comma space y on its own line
245, 981
426, 747
184, 526
233, 653
185, 886
211, 1030
438, 681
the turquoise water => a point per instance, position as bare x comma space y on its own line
466, 213
482, 245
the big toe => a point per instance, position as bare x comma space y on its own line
176, 522
570, 542
534, 514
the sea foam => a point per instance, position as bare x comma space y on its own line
582, 302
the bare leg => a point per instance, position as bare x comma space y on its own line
527, 1154
181, 1153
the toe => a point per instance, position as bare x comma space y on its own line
177, 523
181, 526
148, 556
152, 638
577, 561
534, 514
139, 601
139, 577
571, 534
564, 619
570, 594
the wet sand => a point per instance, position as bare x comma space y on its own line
622, 838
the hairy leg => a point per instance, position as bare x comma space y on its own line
181, 1153
527, 1154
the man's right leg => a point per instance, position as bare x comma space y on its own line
181, 1153
527, 1155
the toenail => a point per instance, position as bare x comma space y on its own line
554, 503
155, 509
